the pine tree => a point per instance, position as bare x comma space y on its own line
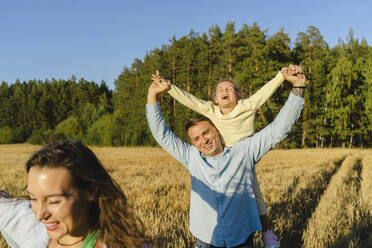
312, 53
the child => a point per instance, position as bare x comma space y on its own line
234, 118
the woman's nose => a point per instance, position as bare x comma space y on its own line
42, 212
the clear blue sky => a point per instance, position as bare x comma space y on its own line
95, 39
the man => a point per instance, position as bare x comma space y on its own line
223, 210
18, 225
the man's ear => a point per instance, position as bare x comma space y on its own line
222, 140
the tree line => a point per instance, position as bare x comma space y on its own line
338, 98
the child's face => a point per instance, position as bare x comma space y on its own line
226, 95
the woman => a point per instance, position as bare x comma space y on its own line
75, 200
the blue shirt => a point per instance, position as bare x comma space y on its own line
223, 209
19, 226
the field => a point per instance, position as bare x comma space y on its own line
316, 197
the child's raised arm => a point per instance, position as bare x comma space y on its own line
184, 97
264, 93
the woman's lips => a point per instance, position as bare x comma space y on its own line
51, 226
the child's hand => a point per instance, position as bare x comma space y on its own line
158, 85
294, 75
158, 89
155, 90
157, 79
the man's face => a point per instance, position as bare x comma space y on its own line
206, 138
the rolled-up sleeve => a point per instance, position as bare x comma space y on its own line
19, 226
276, 131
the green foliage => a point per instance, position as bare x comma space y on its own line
36, 138
101, 132
89, 116
39, 137
33, 109
338, 98
71, 129
347, 94
6, 136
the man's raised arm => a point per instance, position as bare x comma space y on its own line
16, 220
276, 131
159, 127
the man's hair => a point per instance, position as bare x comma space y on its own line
195, 120
237, 90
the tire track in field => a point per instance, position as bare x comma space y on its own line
299, 203
339, 220
360, 235
366, 201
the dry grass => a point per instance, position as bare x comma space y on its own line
293, 183
366, 199
338, 219
367, 181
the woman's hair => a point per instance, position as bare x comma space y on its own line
238, 93
109, 212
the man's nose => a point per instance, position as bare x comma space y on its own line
204, 140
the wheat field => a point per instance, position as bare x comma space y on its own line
317, 198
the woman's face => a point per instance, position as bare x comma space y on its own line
57, 204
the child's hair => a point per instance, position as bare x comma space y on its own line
237, 90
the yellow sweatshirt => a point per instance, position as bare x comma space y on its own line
237, 124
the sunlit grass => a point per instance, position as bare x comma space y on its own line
295, 183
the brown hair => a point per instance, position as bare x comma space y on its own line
237, 90
195, 120
109, 212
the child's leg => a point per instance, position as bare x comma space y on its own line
262, 210
264, 222
268, 237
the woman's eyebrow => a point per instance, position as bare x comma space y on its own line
53, 195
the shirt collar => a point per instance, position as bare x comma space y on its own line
225, 150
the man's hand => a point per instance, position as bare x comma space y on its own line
157, 78
157, 87
294, 75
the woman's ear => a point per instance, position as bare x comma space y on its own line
93, 193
